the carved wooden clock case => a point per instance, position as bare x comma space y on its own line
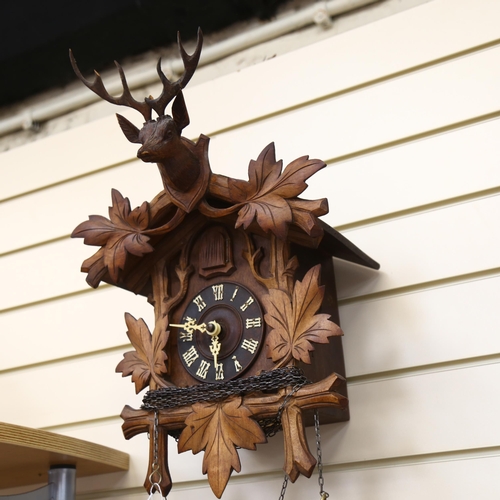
241, 278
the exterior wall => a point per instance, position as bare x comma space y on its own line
405, 112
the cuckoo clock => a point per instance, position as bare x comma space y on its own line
246, 338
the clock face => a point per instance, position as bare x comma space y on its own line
221, 332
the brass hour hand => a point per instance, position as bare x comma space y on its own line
215, 346
213, 330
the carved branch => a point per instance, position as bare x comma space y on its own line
159, 279
253, 257
159, 285
318, 395
305, 215
160, 296
280, 257
298, 458
216, 213
176, 219
147, 363
139, 421
163, 303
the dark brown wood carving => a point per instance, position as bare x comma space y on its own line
184, 173
241, 278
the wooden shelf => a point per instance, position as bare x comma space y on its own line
27, 454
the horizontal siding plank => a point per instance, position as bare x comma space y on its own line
441, 167
66, 391
448, 165
43, 272
71, 326
457, 479
343, 62
390, 419
432, 99
433, 245
431, 326
101, 143
63, 156
54, 212
429, 413
437, 244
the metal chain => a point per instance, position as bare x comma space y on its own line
283, 488
155, 441
173, 397
321, 481
155, 468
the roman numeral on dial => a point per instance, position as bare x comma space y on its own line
250, 345
200, 303
218, 292
190, 356
253, 323
203, 369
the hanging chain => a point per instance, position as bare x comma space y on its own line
321, 481
283, 488
155, 468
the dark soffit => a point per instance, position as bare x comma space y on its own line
35, 35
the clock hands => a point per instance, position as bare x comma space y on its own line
213, 329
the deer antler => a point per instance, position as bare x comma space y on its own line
170, 90
97, 86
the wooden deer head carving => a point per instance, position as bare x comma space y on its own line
183, 165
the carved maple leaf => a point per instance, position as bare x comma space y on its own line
119, 235
218, 428
294, 322
148, 360
266, 192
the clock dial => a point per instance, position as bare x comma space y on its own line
221, 332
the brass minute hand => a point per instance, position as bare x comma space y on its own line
213, 328
190, 325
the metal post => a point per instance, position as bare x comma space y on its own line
62, 482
